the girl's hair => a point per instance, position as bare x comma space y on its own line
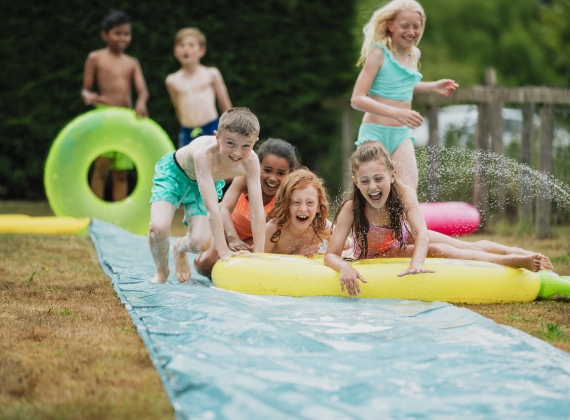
360, 224
279, 148
299, 180
376, 30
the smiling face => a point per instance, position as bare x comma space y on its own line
189, 50
405, 29
118, 38
273, 170
304, 207
374, 181
234, 148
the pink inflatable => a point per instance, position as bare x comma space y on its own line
451, 217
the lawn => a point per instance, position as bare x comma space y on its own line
70, 350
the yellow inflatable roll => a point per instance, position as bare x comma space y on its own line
45, 225
457, 281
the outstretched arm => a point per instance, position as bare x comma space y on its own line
89, 97
418, 229
222, 96
349, 277
256, 213
203, 166
227, 206
362, 102
443, 87
142, 91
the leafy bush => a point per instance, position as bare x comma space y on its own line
280, 58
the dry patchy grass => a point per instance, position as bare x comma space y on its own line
68, 348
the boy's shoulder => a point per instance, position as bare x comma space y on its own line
104, 54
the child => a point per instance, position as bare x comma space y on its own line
388, 80
114, 72
384, 216
195, 89
277, 159
298, 223
193, 176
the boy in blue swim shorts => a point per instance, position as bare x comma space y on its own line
195, 89
194, 176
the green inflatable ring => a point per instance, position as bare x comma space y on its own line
88, 136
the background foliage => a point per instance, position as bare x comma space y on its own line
280, 58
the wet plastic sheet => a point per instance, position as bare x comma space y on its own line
225, 355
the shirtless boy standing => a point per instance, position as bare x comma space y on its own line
114, 73
194, 176
195, 89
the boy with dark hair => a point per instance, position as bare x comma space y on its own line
194, 176
113, 73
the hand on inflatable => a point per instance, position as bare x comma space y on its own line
230, 254
349, 278
445, 87
415, 269
141, 110
239, 245
90, 98
410, 118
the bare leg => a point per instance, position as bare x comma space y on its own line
530, 262
99, 176
120, 185
161, 215
405, 163
486, 246
205, 261
197, 240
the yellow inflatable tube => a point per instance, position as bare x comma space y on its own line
47, 225
457, 281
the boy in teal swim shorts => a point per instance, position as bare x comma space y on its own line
194, 176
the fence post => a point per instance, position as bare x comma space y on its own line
480, 181
543, 204
434, 172
526, 159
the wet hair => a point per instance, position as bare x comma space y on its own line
299, 180
195, 32
279, 148
376, 30
360, 224
114, 18
239, 120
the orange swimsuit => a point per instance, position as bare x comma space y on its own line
378, 247
240, 216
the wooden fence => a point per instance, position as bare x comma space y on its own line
490, 100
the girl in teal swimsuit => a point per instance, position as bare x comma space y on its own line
388, 80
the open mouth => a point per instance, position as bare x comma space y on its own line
376, 197
233, 159
271, 186
302, 219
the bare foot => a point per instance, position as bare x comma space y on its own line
181, 266
545, 263
160, 277
530, 262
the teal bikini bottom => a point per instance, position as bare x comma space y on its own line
390, 137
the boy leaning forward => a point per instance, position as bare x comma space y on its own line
194, 176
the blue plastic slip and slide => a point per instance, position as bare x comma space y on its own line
225, 355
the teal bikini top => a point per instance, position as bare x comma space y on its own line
394, 81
